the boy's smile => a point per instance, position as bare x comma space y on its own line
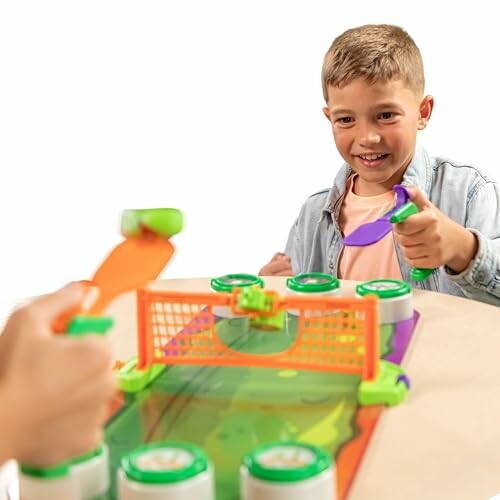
375, 127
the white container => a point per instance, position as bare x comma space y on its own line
83, 478
287, 471
48, 484
229, 282
312, 285
166, 471
91, 473
395, 298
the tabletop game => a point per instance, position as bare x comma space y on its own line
239, 369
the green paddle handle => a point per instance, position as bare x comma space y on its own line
404, 212
82, 325
417, 274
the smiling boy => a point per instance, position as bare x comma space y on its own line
373, 85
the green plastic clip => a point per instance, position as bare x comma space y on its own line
130, 379
276, 322
388, 388
254, 299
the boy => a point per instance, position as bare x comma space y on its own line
373, 85
54, 390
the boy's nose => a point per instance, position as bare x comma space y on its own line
368, 137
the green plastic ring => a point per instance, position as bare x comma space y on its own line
228, 282
312, 283
309, 461
196, 462
384, 289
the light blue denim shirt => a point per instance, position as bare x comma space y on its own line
462, 192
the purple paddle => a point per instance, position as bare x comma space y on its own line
371, 232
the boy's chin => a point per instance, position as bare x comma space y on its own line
377, 181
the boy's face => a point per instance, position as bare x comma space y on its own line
375, 130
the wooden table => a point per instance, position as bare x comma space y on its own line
443, 442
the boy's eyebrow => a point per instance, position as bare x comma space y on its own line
341, 111
380, 105
387, 104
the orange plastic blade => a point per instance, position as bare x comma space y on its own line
130, 265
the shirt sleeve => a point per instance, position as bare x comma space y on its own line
294, 248
481, 279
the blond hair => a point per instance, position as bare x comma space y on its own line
375, 52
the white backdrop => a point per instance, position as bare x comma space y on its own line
212, 107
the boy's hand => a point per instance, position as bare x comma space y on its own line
54, 389
430, 239
280, 265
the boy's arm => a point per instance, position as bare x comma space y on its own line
279, 265
480, 280
294, 249
301, 238
470, 255
288, 263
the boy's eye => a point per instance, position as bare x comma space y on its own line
345, 120
387, 115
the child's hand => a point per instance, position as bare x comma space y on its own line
280, 265
430, 239
54, 390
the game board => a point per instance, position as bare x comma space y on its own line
277, 368
229, 410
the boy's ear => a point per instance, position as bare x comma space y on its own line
326, 112
425, 111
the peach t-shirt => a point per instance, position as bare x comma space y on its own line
373, 261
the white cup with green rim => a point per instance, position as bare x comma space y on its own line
287, 471
48, 484
228, 283
84, 477
312, 284
91, 472
395, 298
166, 471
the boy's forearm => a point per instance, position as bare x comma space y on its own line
465, 250
479, 281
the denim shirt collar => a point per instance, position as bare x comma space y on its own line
418, 172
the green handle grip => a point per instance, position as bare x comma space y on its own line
404, 212
81, 325
420, 273
417, 274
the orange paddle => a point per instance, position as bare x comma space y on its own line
135, 261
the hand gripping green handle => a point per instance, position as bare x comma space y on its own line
417, 273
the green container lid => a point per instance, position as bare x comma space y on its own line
61, 470
312, 283
229, 281
286, 461
48, 473
164, 463
88, 456
384, 289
